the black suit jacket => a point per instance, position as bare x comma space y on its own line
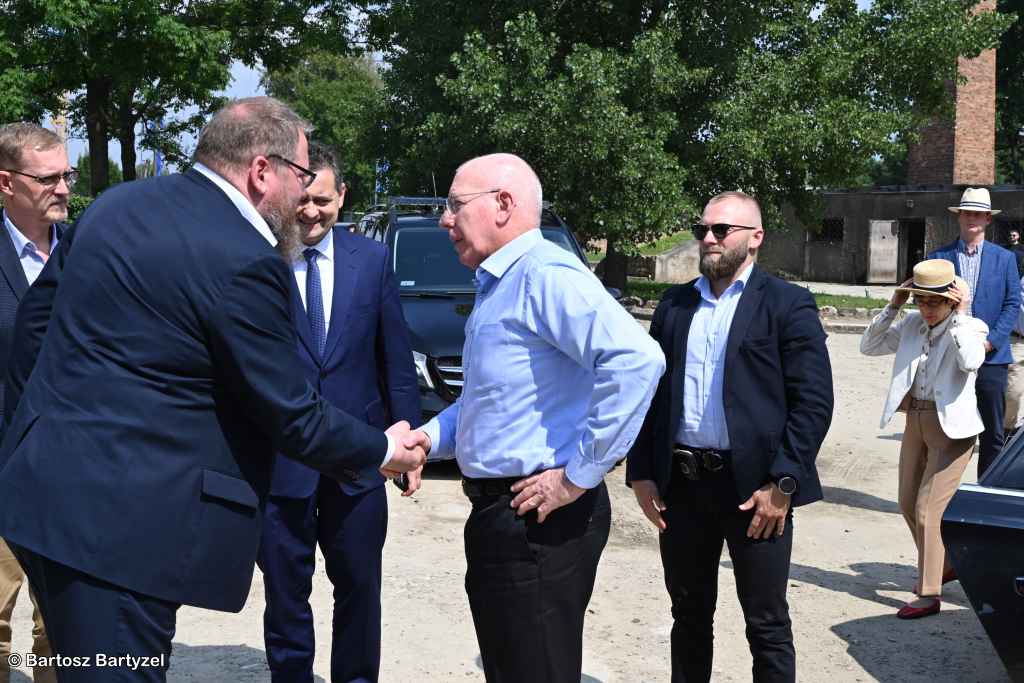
142, 446
777, 389
13, 286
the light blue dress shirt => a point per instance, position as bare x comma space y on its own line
970, 265
557, 373
31, 262
703, 422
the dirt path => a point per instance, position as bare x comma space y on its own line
853, 567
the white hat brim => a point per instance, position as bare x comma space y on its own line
991, 212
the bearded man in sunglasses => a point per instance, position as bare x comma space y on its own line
727, 449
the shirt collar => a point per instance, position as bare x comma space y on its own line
19, 239
704, 286
325, 246
937, 331
963, 247
498, 263
243, 205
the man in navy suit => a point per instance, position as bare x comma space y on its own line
35, 182
729, 444
355, 350
991, 271
133, 471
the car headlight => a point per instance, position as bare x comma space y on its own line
422, 376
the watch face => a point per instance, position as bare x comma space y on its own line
787, 485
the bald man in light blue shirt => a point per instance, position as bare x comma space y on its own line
558, 378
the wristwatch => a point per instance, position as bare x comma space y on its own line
786, 484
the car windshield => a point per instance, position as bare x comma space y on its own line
424, 259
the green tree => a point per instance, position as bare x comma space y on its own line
130, 62
1010, 98
678, 100
83, 186
342, 97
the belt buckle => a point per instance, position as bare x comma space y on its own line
688, 463
713, 461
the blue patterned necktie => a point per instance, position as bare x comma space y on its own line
315, 301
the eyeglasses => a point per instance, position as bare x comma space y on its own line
306, 177
719, 230
453, 203
70, 177
931, 301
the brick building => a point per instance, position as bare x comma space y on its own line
877, 235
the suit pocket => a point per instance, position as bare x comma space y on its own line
758, 342
217, 485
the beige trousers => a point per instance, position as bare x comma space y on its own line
1014, 415
931, 465
11, 578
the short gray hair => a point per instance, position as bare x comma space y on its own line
15, 138
321, 158
247, 128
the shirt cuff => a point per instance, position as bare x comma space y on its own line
391, 449
890, 311
586, 475
433, 430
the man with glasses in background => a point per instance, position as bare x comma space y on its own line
729, 444
35, 182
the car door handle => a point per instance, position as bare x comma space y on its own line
1018, 585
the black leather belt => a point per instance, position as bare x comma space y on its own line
694, 461
478, 488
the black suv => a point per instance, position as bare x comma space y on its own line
437, 291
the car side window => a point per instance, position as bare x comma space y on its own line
1007, 472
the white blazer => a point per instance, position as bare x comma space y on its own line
959, 352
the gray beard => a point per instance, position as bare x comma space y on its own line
726, 265
287, 232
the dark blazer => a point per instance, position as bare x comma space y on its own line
13, 286
777, 388
997, 296
367, 369
142, 446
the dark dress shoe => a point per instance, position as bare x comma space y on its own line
910, 612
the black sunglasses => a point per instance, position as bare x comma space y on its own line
306, 178
70, 177
719, 230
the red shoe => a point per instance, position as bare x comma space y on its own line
910, 612
949, 575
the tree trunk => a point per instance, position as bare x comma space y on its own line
97, 95
615, 267
127, 138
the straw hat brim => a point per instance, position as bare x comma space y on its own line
948, 294
992, 212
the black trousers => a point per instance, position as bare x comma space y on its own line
529, 585
990, 388
94, 626
701, 516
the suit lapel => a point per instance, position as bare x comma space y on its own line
11, 266
749, 302
345, 263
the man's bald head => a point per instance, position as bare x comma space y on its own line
743, 203
511, 173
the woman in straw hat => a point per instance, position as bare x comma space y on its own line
939, 349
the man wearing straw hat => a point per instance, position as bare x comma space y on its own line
991, 273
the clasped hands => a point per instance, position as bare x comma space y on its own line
411, 448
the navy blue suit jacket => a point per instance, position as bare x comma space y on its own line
777, 391
367, 369
13, 286
166, 379
997, 296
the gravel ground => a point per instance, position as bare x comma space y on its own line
853, 566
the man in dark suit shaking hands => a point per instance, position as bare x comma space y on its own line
728, 446
133, 471
354, 347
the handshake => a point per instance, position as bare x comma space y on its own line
411, 448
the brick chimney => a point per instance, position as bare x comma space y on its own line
962, 151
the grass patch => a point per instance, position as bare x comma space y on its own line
660, 246
648, 291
